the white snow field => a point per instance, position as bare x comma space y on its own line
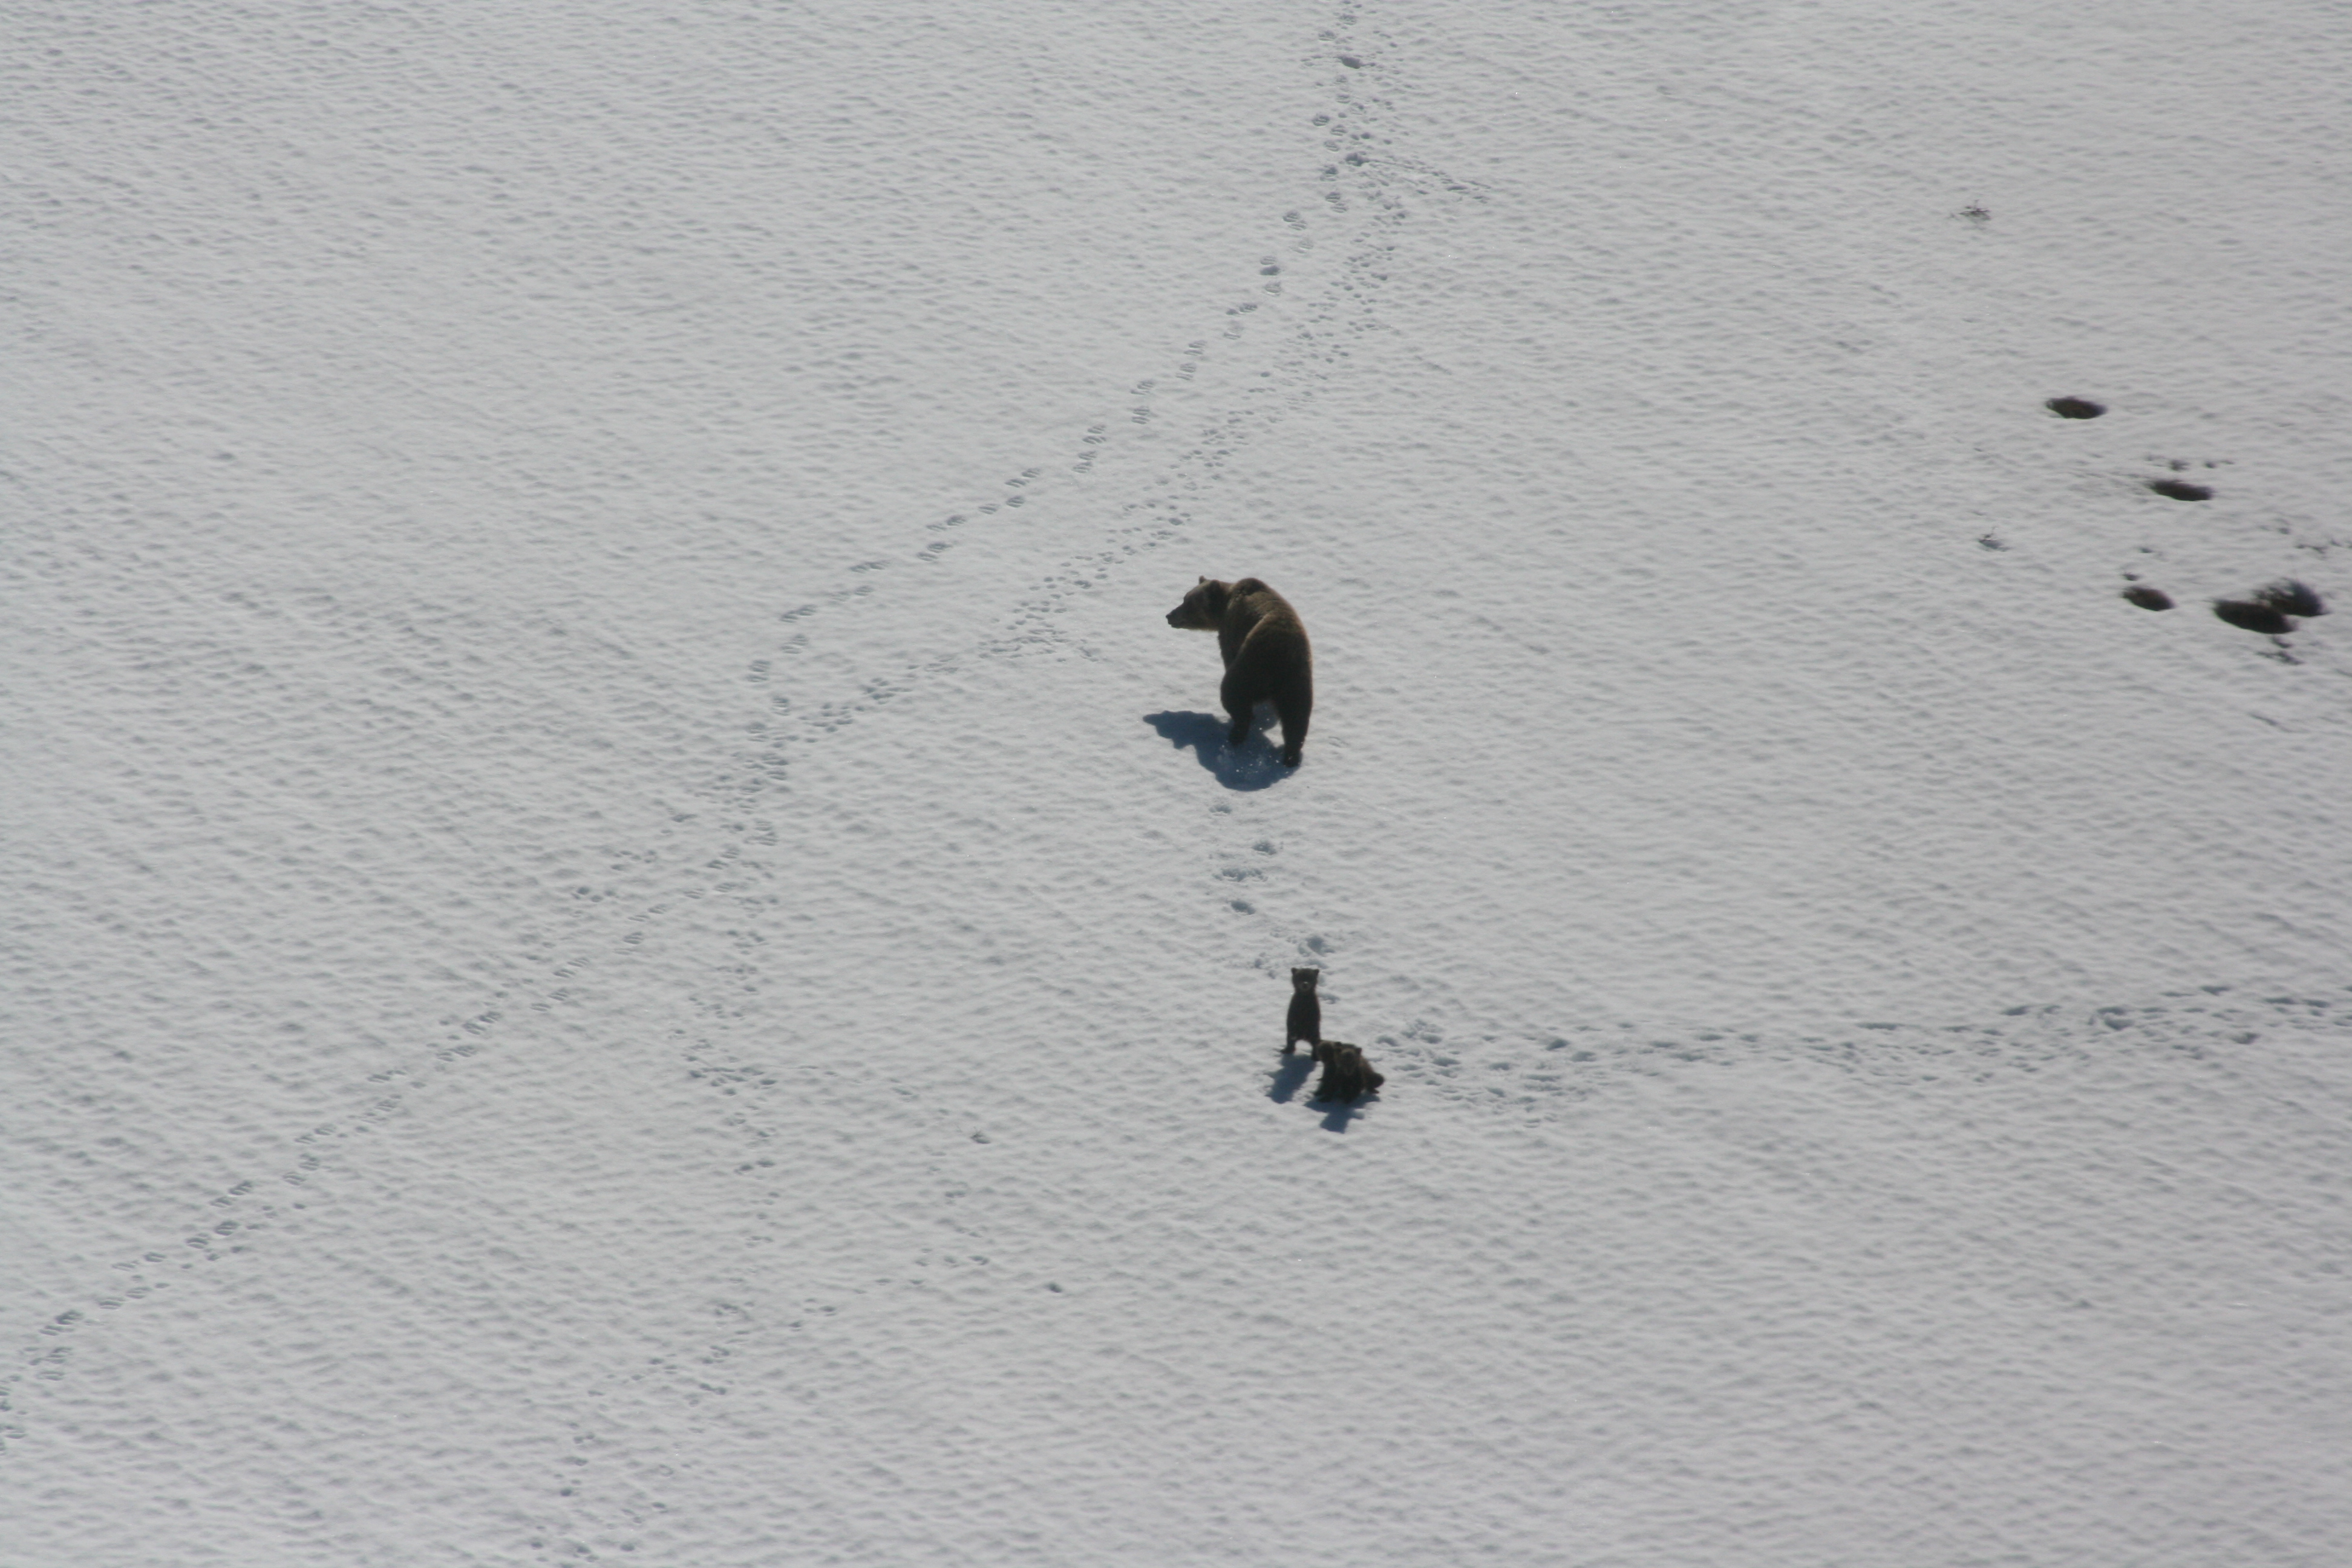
628, 939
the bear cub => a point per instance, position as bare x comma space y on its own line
1347, 1075
1266, 651
1305, 1021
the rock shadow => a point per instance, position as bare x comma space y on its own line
1254, 764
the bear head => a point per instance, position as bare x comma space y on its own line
1204, 609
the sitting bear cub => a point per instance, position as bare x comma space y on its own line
1266, 651
1347, 1075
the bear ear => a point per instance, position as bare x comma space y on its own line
1203, 580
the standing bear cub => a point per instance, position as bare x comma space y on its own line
1305, 1020
1266, 651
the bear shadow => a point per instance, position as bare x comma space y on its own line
1292, 1075
1254, 764
1342, 1111
1294, 1071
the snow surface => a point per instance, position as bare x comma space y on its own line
629, 938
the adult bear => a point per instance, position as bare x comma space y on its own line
1266, 655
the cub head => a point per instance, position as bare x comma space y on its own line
1204, 609
1305, 979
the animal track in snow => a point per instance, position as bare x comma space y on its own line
1317, 291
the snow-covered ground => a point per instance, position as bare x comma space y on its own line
628, 938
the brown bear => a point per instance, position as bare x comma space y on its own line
1266, 651
1305, 1020
1347, 1075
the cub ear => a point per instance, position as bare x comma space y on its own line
1203, 580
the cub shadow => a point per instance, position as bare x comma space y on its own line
1292, 1075
1294, 1072
1255, 765
1342, 1111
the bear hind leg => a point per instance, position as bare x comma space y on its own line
1241, 709
1293, 710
